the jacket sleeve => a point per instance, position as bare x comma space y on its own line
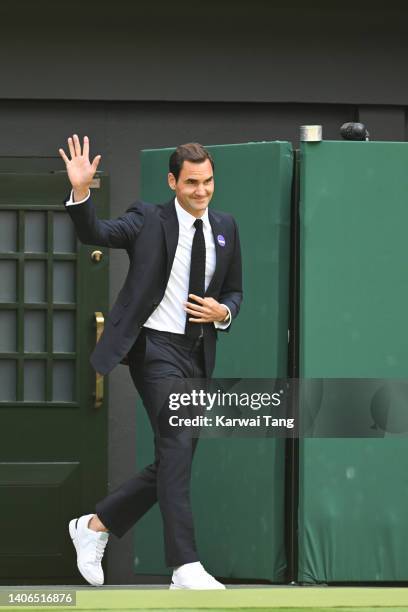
231, 294
116, 233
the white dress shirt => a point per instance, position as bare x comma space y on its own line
170, 314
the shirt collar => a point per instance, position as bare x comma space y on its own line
187, 220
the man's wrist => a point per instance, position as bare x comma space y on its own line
80, 193
226, 321
226, 316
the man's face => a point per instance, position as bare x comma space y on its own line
194, 187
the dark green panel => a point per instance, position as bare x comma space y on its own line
353, 493
51, 489
237, 485
48, 420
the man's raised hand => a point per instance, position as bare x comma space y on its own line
80, 170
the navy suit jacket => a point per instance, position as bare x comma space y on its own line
149, 233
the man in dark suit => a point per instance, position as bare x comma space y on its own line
183, 285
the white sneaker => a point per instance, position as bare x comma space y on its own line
90, 546
193, 576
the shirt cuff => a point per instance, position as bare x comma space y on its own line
220, 324
70, 201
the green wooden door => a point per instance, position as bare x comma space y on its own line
53, 438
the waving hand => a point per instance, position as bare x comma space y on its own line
80, 170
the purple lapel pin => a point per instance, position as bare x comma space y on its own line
221, 240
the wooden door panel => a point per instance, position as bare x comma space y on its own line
53, 440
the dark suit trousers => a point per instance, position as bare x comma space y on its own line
156, 361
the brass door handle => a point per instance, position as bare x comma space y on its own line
96, 256
100, 323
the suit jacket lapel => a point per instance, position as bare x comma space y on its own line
217, 231
171, 233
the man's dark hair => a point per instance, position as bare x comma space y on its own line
192, 152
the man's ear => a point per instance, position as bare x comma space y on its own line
171, 180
